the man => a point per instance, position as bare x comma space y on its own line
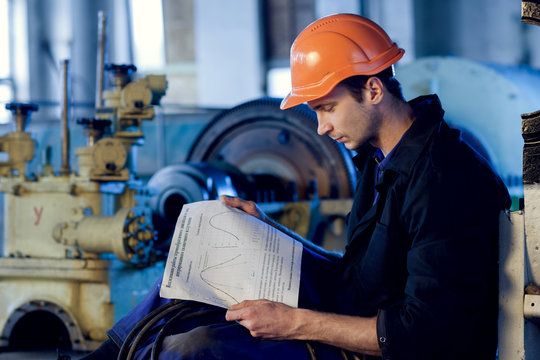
418, 279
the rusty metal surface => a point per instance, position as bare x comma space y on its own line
530, 12
530, 128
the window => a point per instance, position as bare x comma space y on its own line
283, 20
147, 30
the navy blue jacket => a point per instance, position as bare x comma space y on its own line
424, 257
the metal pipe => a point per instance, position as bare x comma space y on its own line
66, 82
125, 234
102, 37
20, 120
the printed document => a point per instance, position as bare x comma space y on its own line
222, 256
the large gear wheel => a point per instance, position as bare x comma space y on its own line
259, 139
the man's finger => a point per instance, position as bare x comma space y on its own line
226, 199
232, 315
245, 303
232, 201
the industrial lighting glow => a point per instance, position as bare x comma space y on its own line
147, 30
279, 82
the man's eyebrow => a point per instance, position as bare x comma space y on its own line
319, 106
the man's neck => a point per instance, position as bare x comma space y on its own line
397, 118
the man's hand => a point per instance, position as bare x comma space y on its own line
247, 206
265, 319
270, 320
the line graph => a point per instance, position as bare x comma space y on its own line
221, 276
225, 242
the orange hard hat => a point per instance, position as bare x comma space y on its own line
334, 48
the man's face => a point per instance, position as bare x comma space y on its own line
346, 120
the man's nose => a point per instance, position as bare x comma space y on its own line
324, 126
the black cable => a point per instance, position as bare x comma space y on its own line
158, 317
143, 326
140, 324
310, 350
156, 348
160, 335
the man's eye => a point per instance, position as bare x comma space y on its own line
328, 108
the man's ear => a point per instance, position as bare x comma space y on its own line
376, 89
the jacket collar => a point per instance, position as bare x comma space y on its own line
428, 118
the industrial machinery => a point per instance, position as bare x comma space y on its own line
274, 157
54, 287
57, 225
64, 230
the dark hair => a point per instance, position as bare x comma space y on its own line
356, 83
